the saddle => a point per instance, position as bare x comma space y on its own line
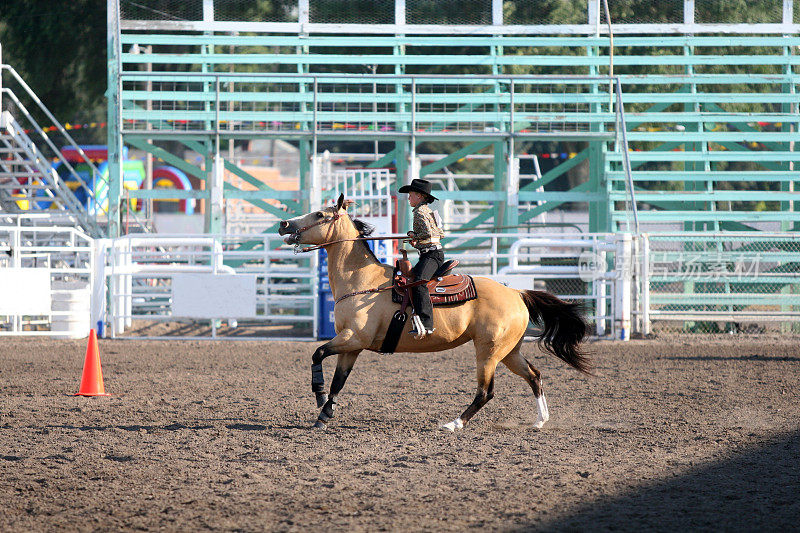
444, 288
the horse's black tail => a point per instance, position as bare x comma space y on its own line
563, 327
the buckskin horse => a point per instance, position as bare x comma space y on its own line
496, 320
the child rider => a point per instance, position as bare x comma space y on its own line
426, 238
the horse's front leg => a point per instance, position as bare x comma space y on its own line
344, 341
343, 368
317, 377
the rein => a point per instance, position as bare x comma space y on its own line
379, 289
299, 250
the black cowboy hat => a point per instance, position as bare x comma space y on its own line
420, 186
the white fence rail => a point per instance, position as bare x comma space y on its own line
57, 281
250, 286
242, 282
47, 286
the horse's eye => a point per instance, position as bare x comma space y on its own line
320, 214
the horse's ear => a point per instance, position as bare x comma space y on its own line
340, 202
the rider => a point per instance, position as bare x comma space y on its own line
425, 237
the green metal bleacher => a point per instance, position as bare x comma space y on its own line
695, 106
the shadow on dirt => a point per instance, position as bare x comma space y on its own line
246, 427
754, 357
755, 490
135, 427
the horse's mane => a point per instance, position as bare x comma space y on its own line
365, 230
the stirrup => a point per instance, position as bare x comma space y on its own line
419, 331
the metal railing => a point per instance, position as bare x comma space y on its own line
626, 160
7, 95
373, 106
62, 258
141, 271
701, 282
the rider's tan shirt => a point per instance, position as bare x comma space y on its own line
426, 231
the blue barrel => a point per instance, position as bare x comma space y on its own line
325, 317
326, 328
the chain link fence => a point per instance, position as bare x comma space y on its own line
738, 11
351, 12
644, 12
459, 12
161, 9
724, 282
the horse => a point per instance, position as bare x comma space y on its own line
496, 320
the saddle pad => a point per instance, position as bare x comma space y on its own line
452, 289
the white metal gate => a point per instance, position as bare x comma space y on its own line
370, 190
189, 286
47, 281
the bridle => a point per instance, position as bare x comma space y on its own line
336, 216
299, 250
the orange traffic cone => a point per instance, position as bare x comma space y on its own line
92, 380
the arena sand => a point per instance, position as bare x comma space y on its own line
689, 433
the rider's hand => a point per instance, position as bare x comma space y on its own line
410, 234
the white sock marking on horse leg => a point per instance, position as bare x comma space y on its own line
454, 425
546, 410
544, 413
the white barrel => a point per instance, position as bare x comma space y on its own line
72, 304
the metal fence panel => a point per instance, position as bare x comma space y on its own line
732, 282
141, 270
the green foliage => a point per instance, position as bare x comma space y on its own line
59, 49
544, 12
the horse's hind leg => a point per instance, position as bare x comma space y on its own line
343, 367
485, 393
517, 363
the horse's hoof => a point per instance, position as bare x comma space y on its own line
319, 424
452, 426
539, 424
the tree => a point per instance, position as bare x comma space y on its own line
59, 49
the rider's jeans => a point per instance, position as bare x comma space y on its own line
424, 269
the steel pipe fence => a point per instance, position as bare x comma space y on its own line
743, 282
141, 273
47, 276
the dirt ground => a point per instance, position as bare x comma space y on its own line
681, 434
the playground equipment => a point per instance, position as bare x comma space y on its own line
169, 178
164, 178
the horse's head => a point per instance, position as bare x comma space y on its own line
317, 227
